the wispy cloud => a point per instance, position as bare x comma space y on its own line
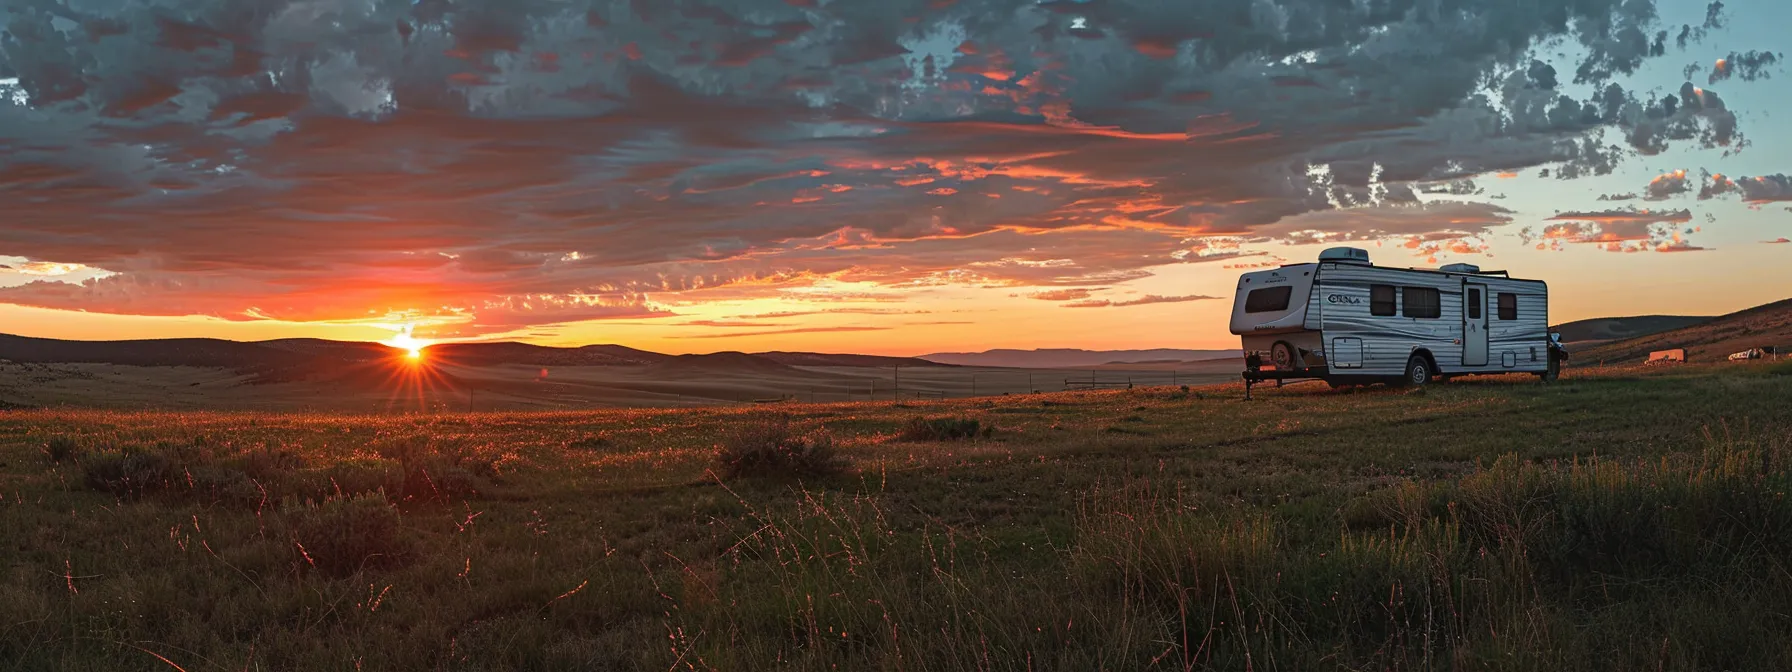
729, 324
1141, 301
782, 332
1063, 294
835, 311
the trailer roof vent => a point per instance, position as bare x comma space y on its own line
1460, 268
1345, 255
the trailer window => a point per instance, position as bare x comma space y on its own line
1508, 306
1268, 299
1473, 300
1422, 302
1381, 300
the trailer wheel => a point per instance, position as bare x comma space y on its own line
1418, 372
1282, 355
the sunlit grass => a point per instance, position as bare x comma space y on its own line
1631, 519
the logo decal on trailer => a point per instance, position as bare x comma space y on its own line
1343, 298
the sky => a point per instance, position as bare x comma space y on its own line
888, 177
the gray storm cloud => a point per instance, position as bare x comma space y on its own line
458, 156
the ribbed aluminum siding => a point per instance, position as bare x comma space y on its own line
1388, 342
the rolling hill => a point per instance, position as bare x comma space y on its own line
721, 363
1619, 328
353, 351
1710, 340
1065, 358
262, 361
822, 359
510, 352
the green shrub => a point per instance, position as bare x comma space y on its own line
345, 535
223, 484
431, 469
130, 471
62, 447
944, 429
437, 479
597, 441
268, 463
767, 447
406, 449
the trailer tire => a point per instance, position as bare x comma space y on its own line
1284, 357
1419, 372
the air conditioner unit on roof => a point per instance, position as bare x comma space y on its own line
1345, 255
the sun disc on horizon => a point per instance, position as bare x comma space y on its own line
412, 346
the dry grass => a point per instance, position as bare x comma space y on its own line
1627, 520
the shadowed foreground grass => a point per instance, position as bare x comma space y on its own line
1622, 521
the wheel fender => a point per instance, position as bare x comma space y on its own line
1429, 359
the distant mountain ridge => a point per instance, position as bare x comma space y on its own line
290, 358
1060, 358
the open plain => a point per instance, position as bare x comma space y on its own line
1620, 519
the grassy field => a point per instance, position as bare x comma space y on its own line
516, 387
1618, 520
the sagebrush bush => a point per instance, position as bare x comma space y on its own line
266, 463
432, 469
345, 535
595, 441
62, 447
944, 429
768, 447
412, 470
215, 483
130, 471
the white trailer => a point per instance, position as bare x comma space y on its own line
1349, 322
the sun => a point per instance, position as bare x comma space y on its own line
412, 346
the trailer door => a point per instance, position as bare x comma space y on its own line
1474, 324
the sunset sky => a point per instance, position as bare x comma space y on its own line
889, 176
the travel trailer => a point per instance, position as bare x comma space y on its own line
1349, 322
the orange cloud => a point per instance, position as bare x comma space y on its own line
784, 332
1061, 295
1142, 301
